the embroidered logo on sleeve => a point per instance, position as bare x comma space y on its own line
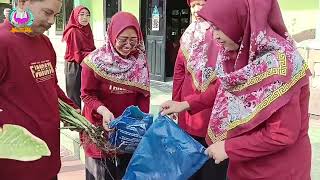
42, 71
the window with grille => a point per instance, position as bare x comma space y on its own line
63, 17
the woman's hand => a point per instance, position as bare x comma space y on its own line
170, 107
107, 117
217, 152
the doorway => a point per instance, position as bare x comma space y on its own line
111, 8
163, 22
154, 28
178, 19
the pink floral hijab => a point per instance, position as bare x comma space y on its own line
260, 78
131, 72
197, 46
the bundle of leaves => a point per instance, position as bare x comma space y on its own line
75, 121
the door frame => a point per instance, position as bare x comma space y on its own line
143, 18
156, 42
105, 13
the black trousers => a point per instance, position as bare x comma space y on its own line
106, 169
210, 170
72, 71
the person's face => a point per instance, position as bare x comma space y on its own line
126, 42
195, 7
44, 13
84, 17
224, 40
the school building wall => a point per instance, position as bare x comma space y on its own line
301, 17
132, 6
298, 4
97, 14
5, 1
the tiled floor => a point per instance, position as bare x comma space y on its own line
72, 169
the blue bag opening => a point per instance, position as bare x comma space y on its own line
129, 129
166, 152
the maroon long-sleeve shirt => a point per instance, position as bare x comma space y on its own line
278, 149
29, 98
78, 47
183, 90
96, 92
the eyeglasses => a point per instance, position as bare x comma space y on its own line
124, 40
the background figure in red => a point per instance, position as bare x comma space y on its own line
114, 77
79, 38
194, 74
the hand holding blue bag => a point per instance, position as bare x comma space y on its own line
165, 152
129, 129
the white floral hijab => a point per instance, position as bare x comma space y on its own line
196, 46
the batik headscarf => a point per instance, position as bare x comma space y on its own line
264, 74
129, 72
197, 46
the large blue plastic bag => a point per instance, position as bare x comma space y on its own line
129, 129
165, 152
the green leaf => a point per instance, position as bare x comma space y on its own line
18, 143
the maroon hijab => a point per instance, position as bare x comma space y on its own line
84, 31
262, 76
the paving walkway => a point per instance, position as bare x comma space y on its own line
72, 168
